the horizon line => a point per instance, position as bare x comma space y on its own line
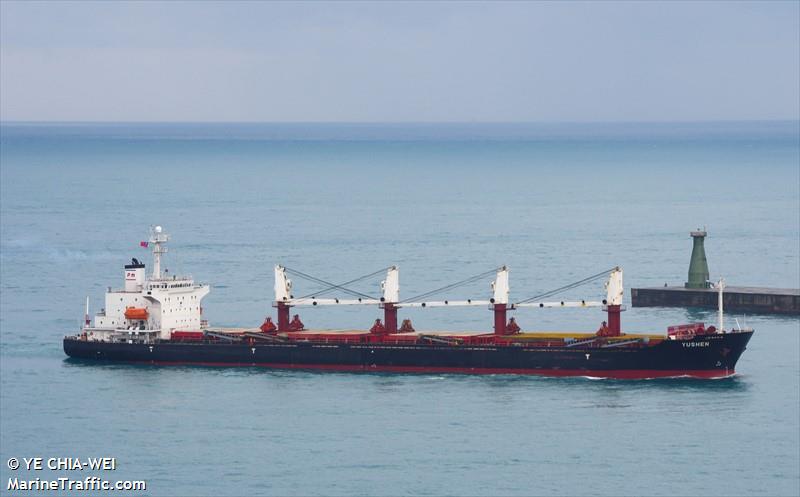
679, 121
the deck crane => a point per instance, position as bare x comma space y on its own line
612, 303
499, 302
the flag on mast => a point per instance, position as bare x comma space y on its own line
143, 244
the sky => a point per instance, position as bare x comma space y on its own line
399, 62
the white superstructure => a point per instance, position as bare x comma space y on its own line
149, 308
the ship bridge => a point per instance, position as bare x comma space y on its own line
148, 308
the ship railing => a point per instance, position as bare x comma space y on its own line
136, 331
121, 290
100, 328
174, 277
622, 343
221, 335
442, 339
578, 343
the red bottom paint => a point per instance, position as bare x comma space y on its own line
620, 374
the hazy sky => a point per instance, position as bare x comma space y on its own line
250, 61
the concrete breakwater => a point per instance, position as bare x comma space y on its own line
735, 298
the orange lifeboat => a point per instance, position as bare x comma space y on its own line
139, 313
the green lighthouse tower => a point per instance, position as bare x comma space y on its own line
698, 267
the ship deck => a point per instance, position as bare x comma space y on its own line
525, 335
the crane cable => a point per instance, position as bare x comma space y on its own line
333, 286
453, 285
568, 287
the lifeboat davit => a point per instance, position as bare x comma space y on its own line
136, 313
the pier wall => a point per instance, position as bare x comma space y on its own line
749, 299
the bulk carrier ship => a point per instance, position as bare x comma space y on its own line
157, 319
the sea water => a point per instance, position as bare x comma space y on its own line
555, 202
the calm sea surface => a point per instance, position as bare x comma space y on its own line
554, 202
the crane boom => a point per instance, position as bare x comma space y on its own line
313, 301
446, 303
581, 303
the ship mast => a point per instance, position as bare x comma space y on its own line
158, 238
391, 296
499, 300
720, 315
86, 320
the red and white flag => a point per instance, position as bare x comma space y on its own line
143, 244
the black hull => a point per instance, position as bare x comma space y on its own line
710, 356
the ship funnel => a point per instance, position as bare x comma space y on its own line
134, 276
698, 267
